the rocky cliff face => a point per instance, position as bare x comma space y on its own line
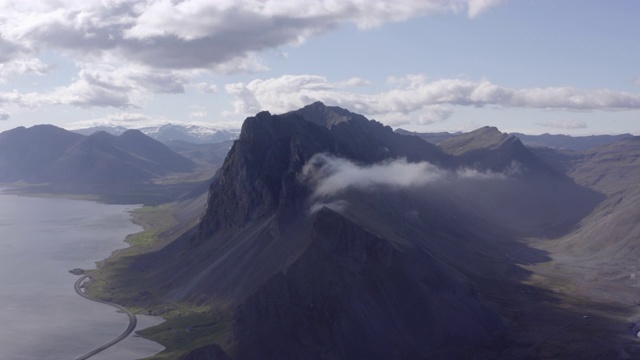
259, 174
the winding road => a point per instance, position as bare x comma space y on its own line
132, 320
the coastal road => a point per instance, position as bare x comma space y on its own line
132, 320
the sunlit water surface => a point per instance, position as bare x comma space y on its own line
41, 317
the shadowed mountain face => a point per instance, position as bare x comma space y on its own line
330, 236
25, 154
565, 142
558, 142
47, 154
352, 294
609, 236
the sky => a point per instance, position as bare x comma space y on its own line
543, 66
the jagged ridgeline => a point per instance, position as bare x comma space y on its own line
329, 236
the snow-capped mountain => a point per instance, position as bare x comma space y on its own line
169, 132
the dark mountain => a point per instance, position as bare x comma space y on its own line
47, 154
207, 154
560, 142
493, 150
377, 272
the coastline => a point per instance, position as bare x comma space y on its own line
91, 217
113, 284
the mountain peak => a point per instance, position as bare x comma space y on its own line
487, 137
327, 116
134, 134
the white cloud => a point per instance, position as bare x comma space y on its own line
197, 112
206, 88
125, 119
330, 176
197, 34
477, 7
113, 84
22, 66
434, 113
564, 124
4, 115
416, 97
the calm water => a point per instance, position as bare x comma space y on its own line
41, 317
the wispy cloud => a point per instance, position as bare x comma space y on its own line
197, 112
477, 7
206, 88
331, 176
564, 124
22, 66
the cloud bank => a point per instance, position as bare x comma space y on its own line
127, 51
195, 34
331, 176
428, 101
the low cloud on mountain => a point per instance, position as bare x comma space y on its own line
331, 176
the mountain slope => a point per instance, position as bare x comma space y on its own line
353, 295
26, 154
609, 237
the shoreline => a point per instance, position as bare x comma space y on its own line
66, 234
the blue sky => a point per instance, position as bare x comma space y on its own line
539, 66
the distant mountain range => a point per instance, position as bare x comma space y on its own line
172, 132
57, 160
128, 167
561, 142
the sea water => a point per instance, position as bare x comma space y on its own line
41, 317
